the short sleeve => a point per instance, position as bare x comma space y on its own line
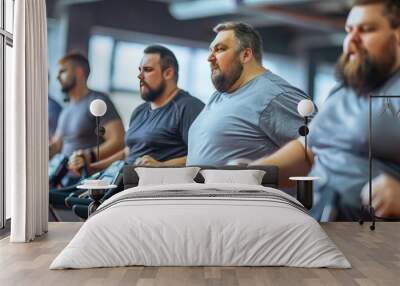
111, 113
190, 111
280, 120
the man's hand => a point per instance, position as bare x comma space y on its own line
78, 160
55, 145
385, 195
147, 160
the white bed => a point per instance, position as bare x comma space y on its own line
222, 225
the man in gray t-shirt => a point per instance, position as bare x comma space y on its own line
77, 125
75, 134
252, 113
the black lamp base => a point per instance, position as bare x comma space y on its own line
95, 195
305, 193
371, 213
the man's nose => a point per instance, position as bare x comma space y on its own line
354, 38
211, 57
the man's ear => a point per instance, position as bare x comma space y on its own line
169, 73
247, 55
79, 72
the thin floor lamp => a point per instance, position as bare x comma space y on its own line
370, 208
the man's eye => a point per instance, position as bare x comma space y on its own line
367, 29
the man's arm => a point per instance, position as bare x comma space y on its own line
113, 139
101, 165
180, 161
55, 146
150, 161
290, 160
113, 143
77, 161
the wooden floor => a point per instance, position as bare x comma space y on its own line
374, 255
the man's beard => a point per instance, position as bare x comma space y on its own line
153, 93
223, 81
67, 87
364, 75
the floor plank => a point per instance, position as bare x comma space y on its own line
374, 255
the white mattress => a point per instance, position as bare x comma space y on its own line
189, 230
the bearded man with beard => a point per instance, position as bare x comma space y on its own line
252, 113
370, 65
75, 132
158, 129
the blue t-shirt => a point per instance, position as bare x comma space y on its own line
54, 110
77, 125
162, 133
339, 139
251, 122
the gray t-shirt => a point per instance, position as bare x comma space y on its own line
77, 125
163, 132
249, 123
339, 139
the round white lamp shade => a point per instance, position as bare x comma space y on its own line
305, 107
98, 107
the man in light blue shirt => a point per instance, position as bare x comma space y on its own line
339, 134
252, 113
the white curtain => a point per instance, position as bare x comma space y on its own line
26, 124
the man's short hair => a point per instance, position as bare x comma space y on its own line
167, 58
77, 59
392, 9
248, 37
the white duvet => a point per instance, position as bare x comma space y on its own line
207, 230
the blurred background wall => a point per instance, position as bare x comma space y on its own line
302, 40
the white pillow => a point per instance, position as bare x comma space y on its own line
248, 177
166, 176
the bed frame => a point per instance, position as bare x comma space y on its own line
270, 179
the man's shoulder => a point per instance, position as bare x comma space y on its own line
53, 104
392, 86
142, 107
139, 111
339, 90
184, 98
98, 94
278, 85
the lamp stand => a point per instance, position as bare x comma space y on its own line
100, 131
98, 138
303, 131
305, 138
370, 208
